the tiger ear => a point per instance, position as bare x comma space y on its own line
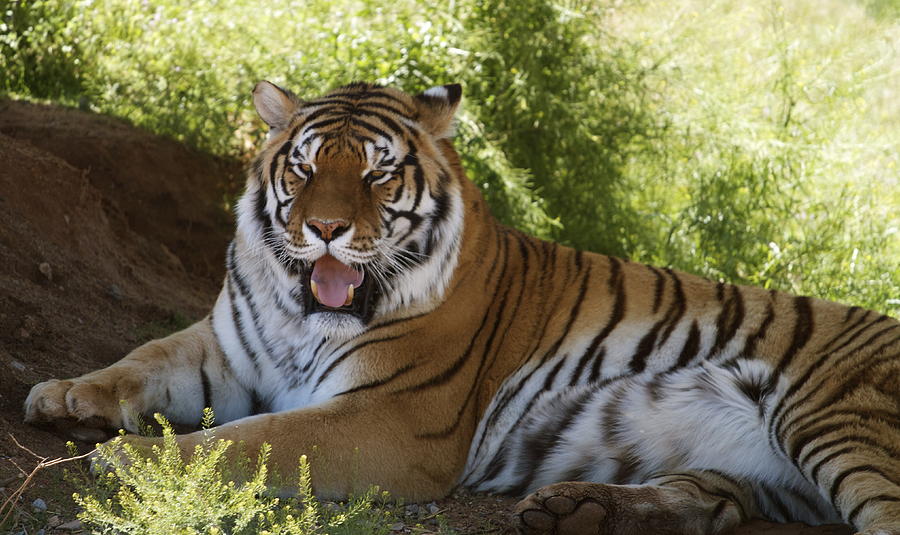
275, 105
436, 107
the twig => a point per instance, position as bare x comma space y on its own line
33, 454
10, 501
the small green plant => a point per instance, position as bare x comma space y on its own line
163, 494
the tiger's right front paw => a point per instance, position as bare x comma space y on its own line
85, 410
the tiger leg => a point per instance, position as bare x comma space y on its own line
685, 503
177, 376
844, 437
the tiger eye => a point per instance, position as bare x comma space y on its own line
306, 168
377, 174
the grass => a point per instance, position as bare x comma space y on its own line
748, 142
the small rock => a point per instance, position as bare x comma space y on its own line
53, 521
46, 270
40, 532
433, 508
29, 325
412, 509
115, 292
39, 505
74, 525
399, 526
15, 364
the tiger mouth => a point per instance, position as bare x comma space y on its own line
337, 288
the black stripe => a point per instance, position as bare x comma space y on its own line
827, 347
814, 469
677, 309
419, 179
730, 318
378, 382
317, 127
859, 507
336, 362
236, 317
390, 123
372, 128
862, 469
760, 334
207, 388
803, 327
616, 286
597, 365
247, 295
691, 346
658, 288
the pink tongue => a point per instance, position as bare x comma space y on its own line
332, 279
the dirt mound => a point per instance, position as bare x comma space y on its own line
109, 236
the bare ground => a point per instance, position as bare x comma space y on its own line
110, 236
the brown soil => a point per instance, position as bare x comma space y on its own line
110, 236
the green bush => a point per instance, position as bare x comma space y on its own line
162, 494
744, 141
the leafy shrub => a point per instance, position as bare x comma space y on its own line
163, 494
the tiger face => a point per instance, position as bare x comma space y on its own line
356, 198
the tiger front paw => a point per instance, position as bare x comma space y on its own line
84, 410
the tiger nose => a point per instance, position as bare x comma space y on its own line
327, 230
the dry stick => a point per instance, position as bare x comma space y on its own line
42, 463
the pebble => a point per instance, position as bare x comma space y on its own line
115, 292
412, 509
74, 525
39, 505
46, 270
17, 365
399, 526
433, 508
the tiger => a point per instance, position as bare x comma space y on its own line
376, 317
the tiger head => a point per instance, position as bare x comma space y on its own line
356, 198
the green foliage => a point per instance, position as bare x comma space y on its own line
753, 142
163, 494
